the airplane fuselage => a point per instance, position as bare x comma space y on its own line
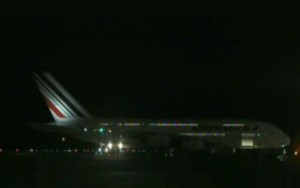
190, 133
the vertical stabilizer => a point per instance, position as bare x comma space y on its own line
61, 104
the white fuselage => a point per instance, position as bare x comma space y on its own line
199, 134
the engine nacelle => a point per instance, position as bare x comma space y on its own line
193, 144
159, 141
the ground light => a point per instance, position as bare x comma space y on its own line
120, 145
110, 145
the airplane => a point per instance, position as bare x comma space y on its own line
71, 119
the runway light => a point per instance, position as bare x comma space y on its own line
63, 139
101, 130
85, 129
110, 145
105, 150
296, 153
120, 145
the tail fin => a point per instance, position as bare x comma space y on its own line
61, 104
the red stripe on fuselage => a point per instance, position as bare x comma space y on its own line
55, 109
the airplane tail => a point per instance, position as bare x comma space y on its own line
62, 105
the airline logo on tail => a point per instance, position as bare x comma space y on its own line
61, 104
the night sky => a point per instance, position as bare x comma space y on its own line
169, 67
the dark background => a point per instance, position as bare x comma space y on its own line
152, 67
